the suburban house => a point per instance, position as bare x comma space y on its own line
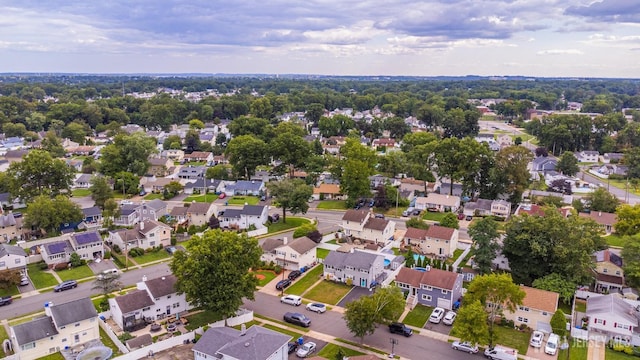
445, 189
145, 235
613, 317
88, 245
244, 187
358, 268
538, 306
608, 158
361, 224
430, 286
152, 300
255, 343
57, 252
157, 185
64, 326
383, 143
173, 154
587, 156
255, 215
484, 207
327, 192
179, 214
199, 213
202, 156
504, 140
291, 255
608, 271
203, 186
131, 214
13, 258
604, 219
160, 166
192, 172
436, 240
82, 181
10, 227
438, 202
543, 164
92, 217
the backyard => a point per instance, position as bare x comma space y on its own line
614, 240
81, 192
418, 316
40, 278
332, 205
292, 222
207, 198
106, 340
306, 281
322, 253
241, 200
201, 319
75, 273
328, 292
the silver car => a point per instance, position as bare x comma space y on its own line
306, 349
464, 346
317, 307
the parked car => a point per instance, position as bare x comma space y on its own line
297, 319
222, 196
464, 346
5, 300
24, 281
282, 284
317, 307
500, 353
306, 349
379, 216
400, 328
407, 212
536, 339
416, 212
436, 315
292, 347
460, 216
65, 285
372, 203
291, 300
143, 193
449, 318
552, 344
107, 273
469, 218
294, 274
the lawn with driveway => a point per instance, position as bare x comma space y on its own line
418, 316
328, 292
40, 278
304, 282
241, 200
264, 276
152, 256
75, 273
292, 222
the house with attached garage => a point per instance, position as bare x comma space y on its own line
359, 268
68, 325
145, 235
255, 215
438, 203
436, 240
291, 255
431, 287
13, 258
255, 343
613, 317
538, 306
362, 225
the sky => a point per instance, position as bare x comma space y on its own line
538, 38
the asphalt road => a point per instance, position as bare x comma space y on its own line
621, 194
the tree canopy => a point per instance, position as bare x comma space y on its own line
291, 195
39, 174
383, 307
129, 153
484, 234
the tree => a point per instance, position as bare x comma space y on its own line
602, 200
291, 195
314, 112
418, 223
49, 213
218, 172
126, 183
484, 234
632, 159
497, 290
51, 144
9, 278
110, 211
556, 283
628, 220
128, 153
196, 124
245, 153
172, 142
291, 149
172, 189
355, 169
510, 174
39, 174
262, 108
450, 220
100, 190
192, 141
214, 223
75, 132
559, 323
107, 283
75, 260
215, 271
471, 323
568, 164
383, 307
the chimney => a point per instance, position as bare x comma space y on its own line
243, 330
142, 225
599, 213
144, 278
47, 308
285, 240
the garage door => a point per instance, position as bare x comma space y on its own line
444, 303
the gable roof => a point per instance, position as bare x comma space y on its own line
607, 255
439, 199
252, 210
162, 286
357, 259
6, 249
86, 238
415, 233
327, 189
602, 218
245, 185
611, 304
440, 232
34, 330
73, 312
302, 245
257, 343
133, 301
155, 204
268, 245
199, 207
7, 220
58, 247
179, 211
376, 224
355, 215
540, 299
92, 211
440, 279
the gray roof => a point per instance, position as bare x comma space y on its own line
252, 210
58, 247
7, 220
156, 204
232, 213
611, 304
84, 178
127, 209
483, 204
179, 211
133, 301
244, 185
34, 330
302, 245
73, 312
6, 249
86, 238
257, 343
162, 286
357, 259
140, 341
92, 211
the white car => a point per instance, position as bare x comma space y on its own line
436, 315
464, 346
306, 349
536, 339
449, 318
317, 307
291, 300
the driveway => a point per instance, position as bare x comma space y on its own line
104, 264
319, 345
439, 328
355, 293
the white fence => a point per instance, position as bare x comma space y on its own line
243, 316
113, 337
579, 334
158, 346
258, 232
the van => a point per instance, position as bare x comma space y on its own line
108, 273
501, 353
291, 300
552, 344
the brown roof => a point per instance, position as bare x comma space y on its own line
199, 208
376, 224
197, 155
612, 279
434, 277
540, 299
133, 301
150, 225
440, 232
355, 215
415, 233
601, 218
302, 245
179, 211
155, 161
327, 189
268, 245
162, 286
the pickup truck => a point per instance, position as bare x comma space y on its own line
5, 300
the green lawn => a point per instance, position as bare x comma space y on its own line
106, 340
293, 334
418, 316
54, 356
153, 196
241, 200
268, 276
331, 350
292, 222
322, 253
207, 198
152, 256
306, 281
333, 242
577, 350
75, 273
512, 338
328, 292
201, 319
11, 291
581, 306
614, 240
81, 192
332, 205
3, 337
434, 216
616, 355
456, 255
40, 278
566, 308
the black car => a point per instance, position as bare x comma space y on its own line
5, 300
292, 347
283, 284
400, 328
416, 212
297, 319
66, 285
294, 274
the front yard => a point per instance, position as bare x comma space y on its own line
418, 316
11, 291
75, 273
433, 216
328, 292
265, 276
207, 198
577, 350
306, 281
241, 200
152, 256
330, 351
512, 338
81, 192
292, 222
153, 196
40, 278
332, 205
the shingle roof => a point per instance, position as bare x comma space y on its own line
34, 330
199, 208
483, 204
92, 211
415, 233
73, 312
607, 255
357, 259
540, 299
602, 218
252, 210
327, 189
133, 301
376, 224
140, 341
156, 204
355, 215
232, 213
87, 238
611, 304
302, 245
257, 344
440, 232
7, 220
6, 249
179, 211
158, 161
268, 245
162, 286
434, 277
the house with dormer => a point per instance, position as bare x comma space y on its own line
64, 326
430, 286
359, 268
291, 255
255, 215
362, 225
145, 235
436, 240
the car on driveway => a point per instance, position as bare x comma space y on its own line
294, 274
5, 300
282, 284
24, 281
449, 318
294, 300
65, 285
306, 349
537, 337
292, 347
436, 315
317, 307
464, 346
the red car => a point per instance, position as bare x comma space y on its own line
222, 195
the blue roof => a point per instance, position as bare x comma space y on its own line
56, 248
86, 238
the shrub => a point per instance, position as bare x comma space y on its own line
304, 230
116, 248
43, 265
349, 281
125, 336
277, 269
107, 254
104, 304
174, 240
135, 252
315, 235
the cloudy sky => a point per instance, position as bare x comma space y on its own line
581, 38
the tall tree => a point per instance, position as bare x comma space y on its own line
602, 200
291, 149
51, 144
49, 213
568, 164
355, 168
498, 291
383, 307
484, 234
628, 220
450, 220
9, 278
291, 195
100, 190
559, 323
314, 112
128, 153
172, 142
556, 283
215, 271
39, 174
510, 174
471, 323
631, 256
107, 283
245, 153
110, 212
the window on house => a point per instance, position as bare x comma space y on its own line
445, 291
617, 272
175, 305
2, 264
523, 320
146, 308
523, 308
605, 271
426, 297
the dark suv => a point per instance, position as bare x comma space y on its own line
282, 284
5, 300
66, 285
297, 319
294, 274
400, 328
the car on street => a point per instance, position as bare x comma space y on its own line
5, 300
400, 328
306, 349
416, 212
65, 285
292, 347
294, 274
436, 315
464, 346
317, 307
294, 300
297, 319
449, 318
282, 284
536, 339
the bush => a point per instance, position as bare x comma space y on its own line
174, 240
104, 304
116, 248
125, 336
304, 230
43, 265
107, 254
135, 252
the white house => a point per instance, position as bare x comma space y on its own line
361, 224
587, 156
255, 215
144, 235
12, 258
292, 255
612, 316
88, 245
255, 343
438, 202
